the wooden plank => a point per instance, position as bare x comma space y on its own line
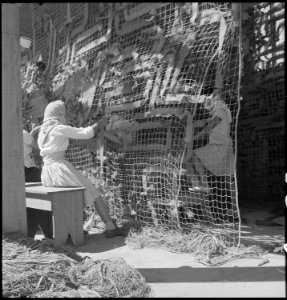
89, 32
92, 45
149, 125
39, 204
170, 59
164, 111
131, 26
13, 182
40, 189
32, 183
125, 106
143, 147
154, 95
182, 55
37, 196
142, 9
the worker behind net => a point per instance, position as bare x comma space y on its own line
216, 157
53, 140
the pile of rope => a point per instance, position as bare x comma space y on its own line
44, 269
208, 248
110, 278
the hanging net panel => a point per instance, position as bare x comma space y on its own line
167, 76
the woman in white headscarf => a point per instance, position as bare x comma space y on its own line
53, 140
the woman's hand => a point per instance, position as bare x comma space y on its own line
101, 124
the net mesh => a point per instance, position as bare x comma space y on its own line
165, 74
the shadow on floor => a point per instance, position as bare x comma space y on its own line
97, 243
267, 237
214, 274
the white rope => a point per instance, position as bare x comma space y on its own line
236, 125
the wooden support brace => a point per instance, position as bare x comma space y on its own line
182, 55
145, 147
50, 47
155, 88
141, 9
170, 58
125, 106
92, 45
89, 32
53, 50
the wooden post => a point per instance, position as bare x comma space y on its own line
13, 182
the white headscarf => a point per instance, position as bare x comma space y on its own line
55, 110
54, 115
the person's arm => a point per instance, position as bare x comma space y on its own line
204, 133
83, 133
85, 136
29, 140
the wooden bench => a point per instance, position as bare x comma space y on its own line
58, 211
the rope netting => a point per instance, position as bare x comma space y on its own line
44, 269
167, 75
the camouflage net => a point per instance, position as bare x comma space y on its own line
209, 248
161, 72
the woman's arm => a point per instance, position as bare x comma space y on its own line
82, 133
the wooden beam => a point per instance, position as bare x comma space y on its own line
13, 182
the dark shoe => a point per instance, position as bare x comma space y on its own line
114, 232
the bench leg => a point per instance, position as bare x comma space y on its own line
68, 217
36, 217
